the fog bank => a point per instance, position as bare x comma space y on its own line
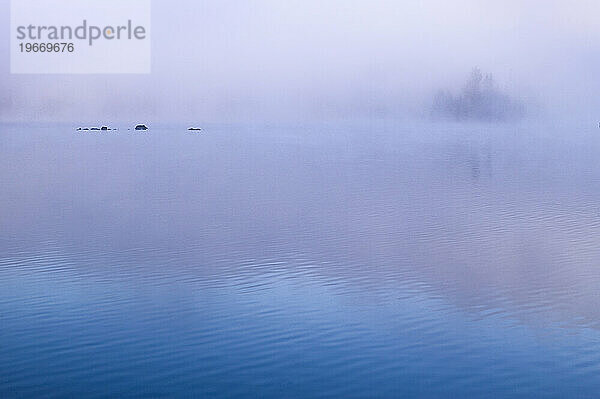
275, 61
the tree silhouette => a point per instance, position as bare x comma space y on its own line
480, 99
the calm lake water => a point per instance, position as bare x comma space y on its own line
361, 259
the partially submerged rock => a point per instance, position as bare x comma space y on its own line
103, 128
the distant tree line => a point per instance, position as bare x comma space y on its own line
479, 100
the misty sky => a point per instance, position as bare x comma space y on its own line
280, 60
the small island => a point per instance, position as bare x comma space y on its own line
480, 100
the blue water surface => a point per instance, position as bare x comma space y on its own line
355, 259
